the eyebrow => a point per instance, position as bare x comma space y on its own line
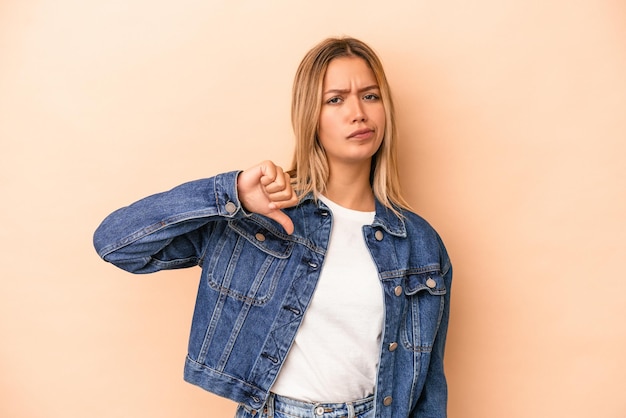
361, 90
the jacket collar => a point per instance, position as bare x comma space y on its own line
384, 218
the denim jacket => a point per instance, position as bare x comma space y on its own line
257, 282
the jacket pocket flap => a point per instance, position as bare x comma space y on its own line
432, 282
263, 239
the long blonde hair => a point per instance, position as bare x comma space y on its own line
310, 165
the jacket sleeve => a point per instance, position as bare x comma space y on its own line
434, 397
170, 229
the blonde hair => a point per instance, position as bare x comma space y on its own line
310, 165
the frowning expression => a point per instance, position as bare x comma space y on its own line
352, 117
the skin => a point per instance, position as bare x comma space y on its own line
265, 189
351, 129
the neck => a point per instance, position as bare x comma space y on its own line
350, 187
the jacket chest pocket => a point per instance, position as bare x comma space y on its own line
247, 261
423, 310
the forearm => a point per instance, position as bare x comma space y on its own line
167, 230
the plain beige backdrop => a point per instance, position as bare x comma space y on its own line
513, 123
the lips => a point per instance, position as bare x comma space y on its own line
362, 133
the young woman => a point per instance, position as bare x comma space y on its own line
321, 294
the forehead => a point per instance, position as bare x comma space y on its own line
344, 71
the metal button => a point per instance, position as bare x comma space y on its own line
393, 346
260, 237
431, 283
230, 207
398, 290
319, 410
378, 235
387, 401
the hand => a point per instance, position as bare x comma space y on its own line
266, 189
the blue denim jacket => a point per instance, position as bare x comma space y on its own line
257, 282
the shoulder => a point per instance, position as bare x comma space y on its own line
422, 235
416, 223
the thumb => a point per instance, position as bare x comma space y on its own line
283, 219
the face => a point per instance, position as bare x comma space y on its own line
352, 117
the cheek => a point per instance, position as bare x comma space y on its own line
327, 123
381, 120
381, 114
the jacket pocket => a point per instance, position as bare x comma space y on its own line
423, 310
247, 261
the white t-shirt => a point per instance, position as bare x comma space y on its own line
334, 357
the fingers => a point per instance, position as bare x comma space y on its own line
278, 183
266, 189
273, 178
284, 220
269, 171
280, 189
277, 186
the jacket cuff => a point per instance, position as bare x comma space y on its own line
226, 198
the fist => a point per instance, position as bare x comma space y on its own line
266, 189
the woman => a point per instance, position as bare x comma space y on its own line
321, 294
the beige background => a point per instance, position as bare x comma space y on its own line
513, 123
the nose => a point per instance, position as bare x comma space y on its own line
358, 111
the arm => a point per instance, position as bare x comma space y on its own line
167, 230
434, 397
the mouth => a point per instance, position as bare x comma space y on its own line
362, 133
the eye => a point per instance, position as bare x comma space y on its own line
371, 97
334, 100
